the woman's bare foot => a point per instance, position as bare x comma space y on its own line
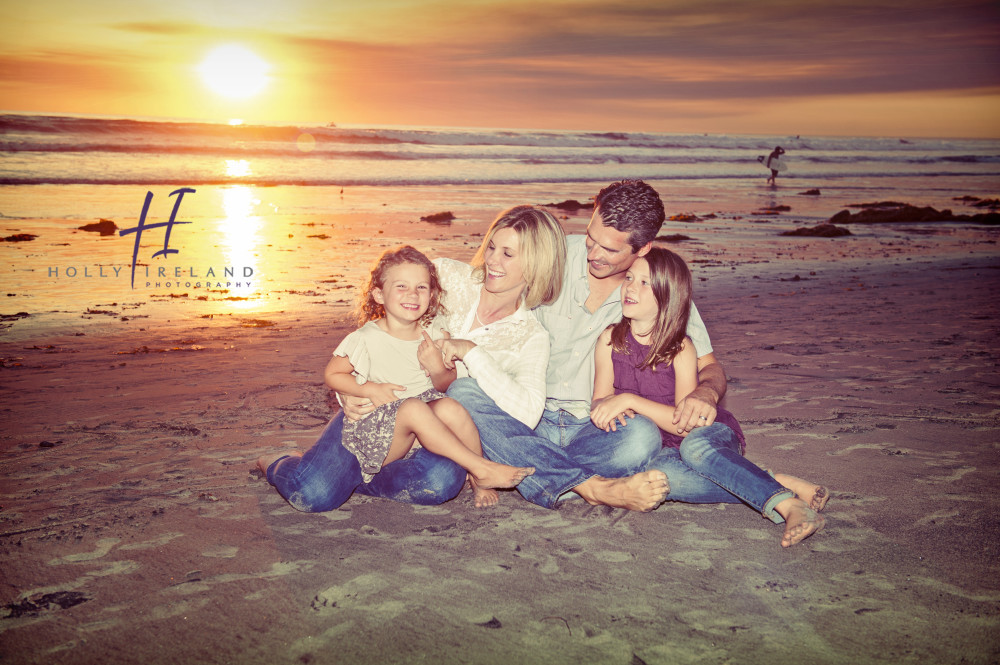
801, 521
484, 498
488, 474
265, 461
814, 495
642, 491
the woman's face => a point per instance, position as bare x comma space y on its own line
502, 261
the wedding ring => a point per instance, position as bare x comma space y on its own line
702, 418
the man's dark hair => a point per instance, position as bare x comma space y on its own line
634, 207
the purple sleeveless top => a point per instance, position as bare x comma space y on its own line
657, 385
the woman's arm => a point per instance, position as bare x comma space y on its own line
519, 387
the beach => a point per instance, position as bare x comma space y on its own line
134, 528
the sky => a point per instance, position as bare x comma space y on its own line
785, 67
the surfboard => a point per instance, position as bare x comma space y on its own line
776, 163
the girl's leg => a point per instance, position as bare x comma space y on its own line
814, 495
714, 453
458, 420
415, 419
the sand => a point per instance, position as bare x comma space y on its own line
132, 528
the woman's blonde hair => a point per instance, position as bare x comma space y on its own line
542, 247
367, 309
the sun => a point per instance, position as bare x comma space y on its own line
234, 71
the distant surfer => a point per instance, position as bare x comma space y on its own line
773, 162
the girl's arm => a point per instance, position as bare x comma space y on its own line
686, 378
431, 360
338, 375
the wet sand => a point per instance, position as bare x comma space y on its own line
133, 529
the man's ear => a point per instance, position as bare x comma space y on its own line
377, 296
644, 250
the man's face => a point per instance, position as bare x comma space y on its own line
608, 251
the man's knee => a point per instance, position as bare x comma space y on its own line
640, 440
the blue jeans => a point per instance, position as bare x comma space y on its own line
708, 468
564, 450
327, 475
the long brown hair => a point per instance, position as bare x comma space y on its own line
368, 310
670, 280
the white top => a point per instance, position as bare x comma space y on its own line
511, 355
378, 356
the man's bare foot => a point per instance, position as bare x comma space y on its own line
265, 461
642, 492
483, 498
489, 474
801, 521
814, 495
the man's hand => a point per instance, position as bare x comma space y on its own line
699, 408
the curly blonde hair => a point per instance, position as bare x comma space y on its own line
368, 310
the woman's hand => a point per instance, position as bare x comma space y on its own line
455, 349
355, 408
382, 393
606, 413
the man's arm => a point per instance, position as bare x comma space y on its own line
699, 408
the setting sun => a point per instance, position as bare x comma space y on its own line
234, 71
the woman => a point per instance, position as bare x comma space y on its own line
489, 335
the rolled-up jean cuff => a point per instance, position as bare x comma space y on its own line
269, 474
775, 499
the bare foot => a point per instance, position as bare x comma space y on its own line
489, 474
484, 498
814, 495
642, 492
801, 521
265, 461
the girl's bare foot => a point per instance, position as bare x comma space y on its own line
801, 521
265, 461
642, 491
484, 498
489, 474
814, 495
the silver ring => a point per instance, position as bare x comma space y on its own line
702, 418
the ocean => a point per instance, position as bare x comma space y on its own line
67, 150
289, 217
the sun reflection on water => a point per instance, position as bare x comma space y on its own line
240, 232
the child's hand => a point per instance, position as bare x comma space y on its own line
382, 393
429, 355
608, 412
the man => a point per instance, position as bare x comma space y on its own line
617, 468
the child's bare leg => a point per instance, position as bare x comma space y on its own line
460, 423
801, 521
814, 495
417, 418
